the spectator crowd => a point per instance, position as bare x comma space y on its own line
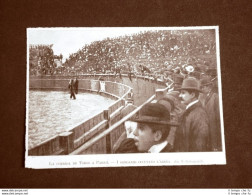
156, 54
42, 60
184, 58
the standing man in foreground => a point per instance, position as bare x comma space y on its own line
193, 132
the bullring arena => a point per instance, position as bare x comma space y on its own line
114, 77
117, 99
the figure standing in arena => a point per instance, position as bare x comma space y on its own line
129, 73
71, 87
118, 71
211, 105
193, 132
76, 85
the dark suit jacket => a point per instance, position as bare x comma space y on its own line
128, 146
193, 132
167, 148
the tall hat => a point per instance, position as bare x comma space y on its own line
154, 113
191, 84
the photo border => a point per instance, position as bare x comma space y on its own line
128, 160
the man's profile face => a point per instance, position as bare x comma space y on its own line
186, 97
144, 137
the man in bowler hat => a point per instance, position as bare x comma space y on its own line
193, 132
153, 126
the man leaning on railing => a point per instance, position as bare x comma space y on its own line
151, 132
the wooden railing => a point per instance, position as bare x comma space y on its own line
74, 137
107, 77
143, 87
104, 142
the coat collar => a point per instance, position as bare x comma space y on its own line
192, 103
158, 147
198, 104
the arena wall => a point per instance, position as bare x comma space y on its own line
88, 128
142, 87
72, 140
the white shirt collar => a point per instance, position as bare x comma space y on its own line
158, 147
192, 103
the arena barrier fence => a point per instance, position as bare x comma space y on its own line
74, 137
105, 141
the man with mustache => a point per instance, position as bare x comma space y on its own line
193, 132
151, 132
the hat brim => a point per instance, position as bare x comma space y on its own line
155, 122
188, 88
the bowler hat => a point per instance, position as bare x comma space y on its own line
172, 95
178, 79
169, 99
154, 113
191, 84
167, 102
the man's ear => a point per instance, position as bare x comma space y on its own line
193, 94
158, 135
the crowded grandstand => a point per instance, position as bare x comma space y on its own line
153, 54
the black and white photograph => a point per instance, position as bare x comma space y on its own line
123, 96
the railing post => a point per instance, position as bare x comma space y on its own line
123, 102
67, 141
106, 114
108, 144
130, 97
108, 141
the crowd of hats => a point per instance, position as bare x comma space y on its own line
160, 52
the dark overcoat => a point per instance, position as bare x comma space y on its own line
128, 146
212, 109
193, 132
